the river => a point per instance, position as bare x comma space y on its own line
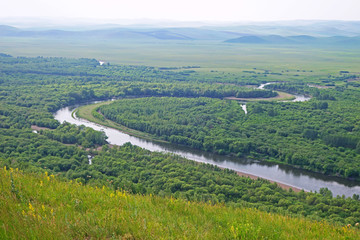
288, 175
298, 97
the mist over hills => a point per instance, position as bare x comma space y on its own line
124, 33
281, 33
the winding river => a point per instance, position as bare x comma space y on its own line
288, 175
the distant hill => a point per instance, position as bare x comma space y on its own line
293, 28
300, 39
316, 33
124, 33
247, 39
303, 38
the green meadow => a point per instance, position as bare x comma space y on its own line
209, 55
39, 206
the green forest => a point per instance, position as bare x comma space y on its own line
319, 135
181, 106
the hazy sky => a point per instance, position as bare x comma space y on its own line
185, 10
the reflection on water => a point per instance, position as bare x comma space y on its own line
298, 98
284, 174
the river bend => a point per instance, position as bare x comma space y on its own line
288, 175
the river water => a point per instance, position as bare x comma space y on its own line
280, 173
298, 98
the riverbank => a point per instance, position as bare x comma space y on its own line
282, 185
254, 177
282, 96
85, 112
287, 174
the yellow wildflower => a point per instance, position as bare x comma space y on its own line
31, 207
43, 207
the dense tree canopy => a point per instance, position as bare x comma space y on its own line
302, 134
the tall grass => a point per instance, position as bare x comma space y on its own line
34, 206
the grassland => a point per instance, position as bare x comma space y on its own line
210, 55
37, 206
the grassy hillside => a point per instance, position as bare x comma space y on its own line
36, 206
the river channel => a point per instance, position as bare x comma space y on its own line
288, 175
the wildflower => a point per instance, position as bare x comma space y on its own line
46, 173
23, 213
356, 224
349, 225
5, 168
234, 231
121, 194
17, 169
43, 207
52, 175
31, 207
112, 195
11, 170
41, 183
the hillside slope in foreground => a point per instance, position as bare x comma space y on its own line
34, 206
